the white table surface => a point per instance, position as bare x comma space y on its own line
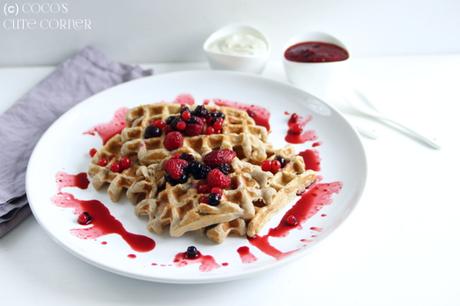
401, 246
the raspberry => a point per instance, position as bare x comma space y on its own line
186, 115
125, 163
175, 167
219, 157
159, 124
266, 165
275, 166
194, 129
209, 130
216, 190
202, 187
173, 140
92, 152
103, 162
217, 179
84, 218
218, 124
115, 167
181, 125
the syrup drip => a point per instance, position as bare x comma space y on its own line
207, 262
111, 128
260, 114
79, 180
296, 133
246, 255
311, 159
307, 206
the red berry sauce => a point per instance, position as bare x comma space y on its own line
79, 180
315, 52
207, 262
246, 255
185, 99
260, 114
132, 256
307, 206
311, 159
109, 129
296, 133
103, 222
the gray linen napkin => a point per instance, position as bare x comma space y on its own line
84, 74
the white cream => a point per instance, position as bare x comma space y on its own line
239, 43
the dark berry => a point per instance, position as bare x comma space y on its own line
187, 157
282, 160
170, 119
200, 111
198, 170
174, 182
184, 108
152, 131
192, 252
214, 198
192, 120
84, 218
225, 168
291, 220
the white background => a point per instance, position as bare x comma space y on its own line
174, 30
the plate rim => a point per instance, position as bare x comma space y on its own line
208, 278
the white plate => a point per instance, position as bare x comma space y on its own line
64, 148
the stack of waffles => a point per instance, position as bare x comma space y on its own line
251, 195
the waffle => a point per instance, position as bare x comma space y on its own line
253, 198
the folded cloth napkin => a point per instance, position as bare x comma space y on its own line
84, 74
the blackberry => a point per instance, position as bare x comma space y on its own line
170, 119
282, 160
200, 111
192, 252
187, 157
152, 131
225, 168
174, 182
192, 120
174, 122
214, 199
184, 108
198, 170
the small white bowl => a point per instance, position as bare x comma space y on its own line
320, 79
244, 63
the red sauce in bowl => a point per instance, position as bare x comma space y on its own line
315, 52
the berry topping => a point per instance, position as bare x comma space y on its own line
175, 168
275, 166
202, 187
125, 163
173, 182
115, 167
92, 152
266, 165
200, 111
294, 118
170, 119
219, 157
218, 124
159, 124
152, 131
192, 252
204, 199
214, 199
186, 156
282, 160
103, 162
194, 129
198, 170
186, 115
84, 218
181, 125
217, 179
209, 130
295, 129
291, 220
225, 168
216, 190
173, 140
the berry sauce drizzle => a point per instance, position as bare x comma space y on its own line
109, 129
296, 133
79, 180
103, 222
246, 255
307, 206
260, 115
311, 159
207, 262
185, 99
